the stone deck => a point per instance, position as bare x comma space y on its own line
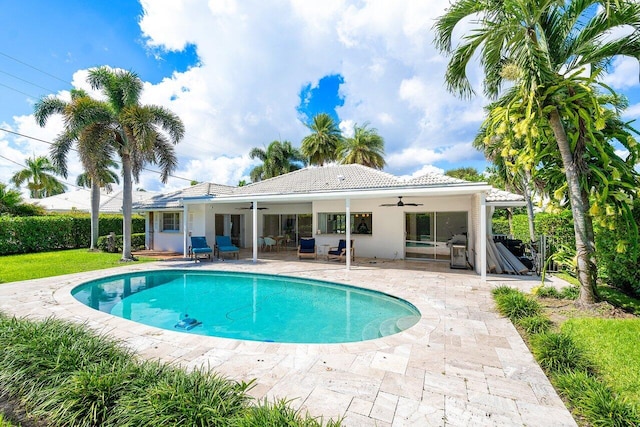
462, 364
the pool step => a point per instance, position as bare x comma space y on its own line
389, 327
406, 322
371, 331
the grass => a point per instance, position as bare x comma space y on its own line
612, 346
47, 264
612, 295
593, 362
67, 375
5, 422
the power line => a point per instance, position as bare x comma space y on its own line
51, 143
35, 68
27, 81
19, 91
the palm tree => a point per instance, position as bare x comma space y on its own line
322, 145
365, 147
86, 125
105, 178
40, 178
279, 158
141, 134
9, 199
546, 44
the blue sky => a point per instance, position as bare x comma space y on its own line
242, 74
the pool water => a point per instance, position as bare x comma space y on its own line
249, 306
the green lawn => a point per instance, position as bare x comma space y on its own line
612, 346
45, 264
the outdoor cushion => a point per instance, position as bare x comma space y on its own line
307, 248
199, 246
223, 245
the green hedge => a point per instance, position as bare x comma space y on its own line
20, 235
560, 226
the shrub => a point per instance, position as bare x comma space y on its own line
534, 324
503, 290
570, 292
546, 292
558, 353
593, 400
516, 305
53, 232
278, 413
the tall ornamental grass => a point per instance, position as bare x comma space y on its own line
68, 376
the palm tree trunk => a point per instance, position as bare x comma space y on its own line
584, 251
95, 212
127, 201
526, 191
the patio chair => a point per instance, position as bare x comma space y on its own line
224, 245
270, 243
339, 252
199, 246
261, 243
307, 249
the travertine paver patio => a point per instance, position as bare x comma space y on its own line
460, 365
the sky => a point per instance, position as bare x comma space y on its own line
241, 74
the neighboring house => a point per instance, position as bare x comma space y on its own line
80, 201
384, 215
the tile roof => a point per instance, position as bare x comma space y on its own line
324, 179
174, 199
337, 178
496, 195
80, 200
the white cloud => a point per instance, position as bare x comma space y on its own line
256, 56
624, 74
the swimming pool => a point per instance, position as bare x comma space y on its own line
249, 306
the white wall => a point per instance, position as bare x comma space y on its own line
164, 240
386, 240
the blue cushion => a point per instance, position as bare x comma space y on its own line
223, 241
307, 244
228, 248
201, 250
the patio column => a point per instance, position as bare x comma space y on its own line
255, 231
347, 203
483, 237
185, 232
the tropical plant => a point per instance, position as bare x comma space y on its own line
280, 157
84, 121
365, 147
39, 175
466, 173
9, 199
141, 134
321, 146
545, 46
106, 178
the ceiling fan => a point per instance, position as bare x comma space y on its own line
251, 207
401, 203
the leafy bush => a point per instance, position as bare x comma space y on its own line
594, 400
503, 290
20, 235
534, 324
516, 305
557, 353
137, 242
619, 263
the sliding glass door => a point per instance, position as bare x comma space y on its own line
427, 234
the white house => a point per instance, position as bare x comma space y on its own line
384, 216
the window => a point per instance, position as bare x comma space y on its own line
170, 221
335, 223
